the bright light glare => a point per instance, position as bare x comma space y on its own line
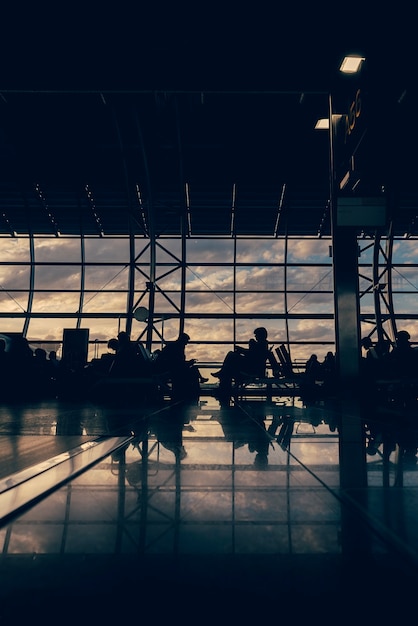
351, 64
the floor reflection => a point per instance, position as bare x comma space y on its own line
213, 494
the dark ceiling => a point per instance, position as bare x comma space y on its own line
108, 126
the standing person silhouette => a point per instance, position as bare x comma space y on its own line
403, 359
312, 375
402, 364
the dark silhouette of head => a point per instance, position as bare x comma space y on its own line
40, 353
113, 344
367, 343
402, 338
261, 333
123, 338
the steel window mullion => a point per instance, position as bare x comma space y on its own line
31, 285
82, 281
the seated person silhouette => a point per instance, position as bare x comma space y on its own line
127, 361
171, 364
241, 363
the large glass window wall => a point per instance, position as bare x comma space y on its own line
216, 289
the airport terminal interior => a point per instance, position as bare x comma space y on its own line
197, 194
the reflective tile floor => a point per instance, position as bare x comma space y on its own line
256, 510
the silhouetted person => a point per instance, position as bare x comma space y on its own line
21, 367
128, 362
42, 375
171, 364
312, 375
329, 373
369, 362
241, 363
313, 369
367, 344
375, 363
54, 367
53, 359
403, 365
403, 360
108, 357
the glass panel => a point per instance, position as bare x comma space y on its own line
260, 278
308, 250
168, 329
256, 302
11, 325
13, 302
163, 305
365, 278
106, 277
57, 277
209, 250
305, 331
310, 303
404, 303
367, 303
405, 251
14, 249
168, 250
59, 250
308, 278
107, 250
209, 303
142, 250
405, 279
56, 302
108, 301
14, 277
171, 281
261, 251
214, 278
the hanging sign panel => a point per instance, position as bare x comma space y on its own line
362, 212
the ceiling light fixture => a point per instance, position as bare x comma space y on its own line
322, 124
351, 64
